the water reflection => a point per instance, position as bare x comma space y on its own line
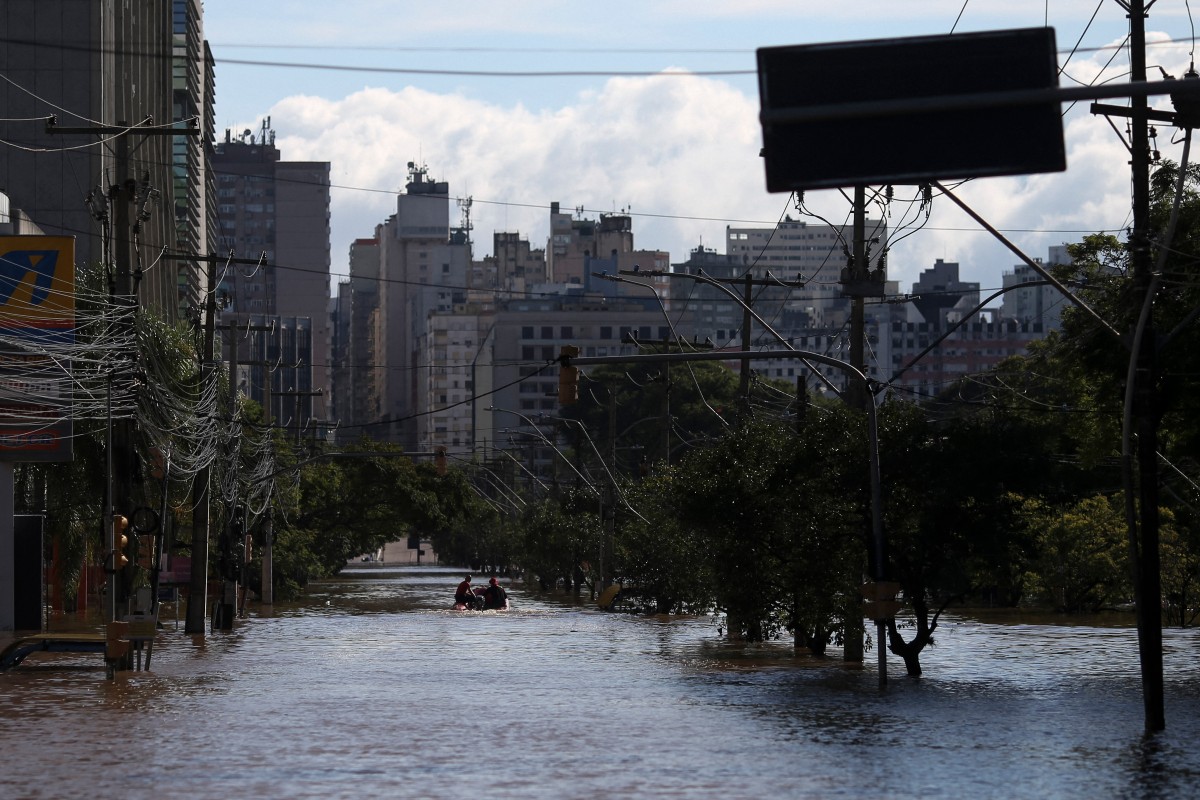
373, 687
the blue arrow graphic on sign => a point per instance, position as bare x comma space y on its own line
15, 265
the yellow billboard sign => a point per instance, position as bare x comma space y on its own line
37, 331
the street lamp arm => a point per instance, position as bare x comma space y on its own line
551, 445
963, 321
618, 279
523, 468
612, 480
505, 492
702, 278
1035, 266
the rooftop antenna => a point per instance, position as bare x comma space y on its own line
465, 204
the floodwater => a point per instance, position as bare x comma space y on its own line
372, 688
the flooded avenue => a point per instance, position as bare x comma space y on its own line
372, 687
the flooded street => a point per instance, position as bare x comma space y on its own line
371, 687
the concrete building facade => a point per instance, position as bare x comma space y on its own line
94, 63
278, 210
424, 268
811, 257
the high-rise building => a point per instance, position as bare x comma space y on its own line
94, 65
423, 270
1037, 303
940, 297
193, 189
278, 210
810, 258
575, 241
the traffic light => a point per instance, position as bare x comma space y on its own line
120, 540
568, 376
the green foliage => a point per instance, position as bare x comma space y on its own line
553, 541
780, 520
699, 398
1180, 553
345, 506
1082, 562
658, 554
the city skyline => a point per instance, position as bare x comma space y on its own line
370, 92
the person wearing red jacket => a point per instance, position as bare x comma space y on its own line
464, 595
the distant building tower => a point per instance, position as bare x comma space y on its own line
940, 296
1035, 305
279, 210
809, 256
423, 270
193, 188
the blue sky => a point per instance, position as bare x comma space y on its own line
652, 109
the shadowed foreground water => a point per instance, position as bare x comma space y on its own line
371, 687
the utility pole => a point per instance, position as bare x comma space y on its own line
233, 588
123, 194
857, 274
1145, 388
198, 582
201, 517
747, 339
857, 397
267, 595
1142, 395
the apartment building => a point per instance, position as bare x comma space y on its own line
808, 257
423, 270
278, 210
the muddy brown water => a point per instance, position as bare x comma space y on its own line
371, 687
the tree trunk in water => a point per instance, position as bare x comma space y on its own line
911, 651
733, 627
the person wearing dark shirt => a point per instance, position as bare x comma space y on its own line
494, 596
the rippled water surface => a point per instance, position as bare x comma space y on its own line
372, 687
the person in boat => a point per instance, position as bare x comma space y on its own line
494, 596
464, 595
